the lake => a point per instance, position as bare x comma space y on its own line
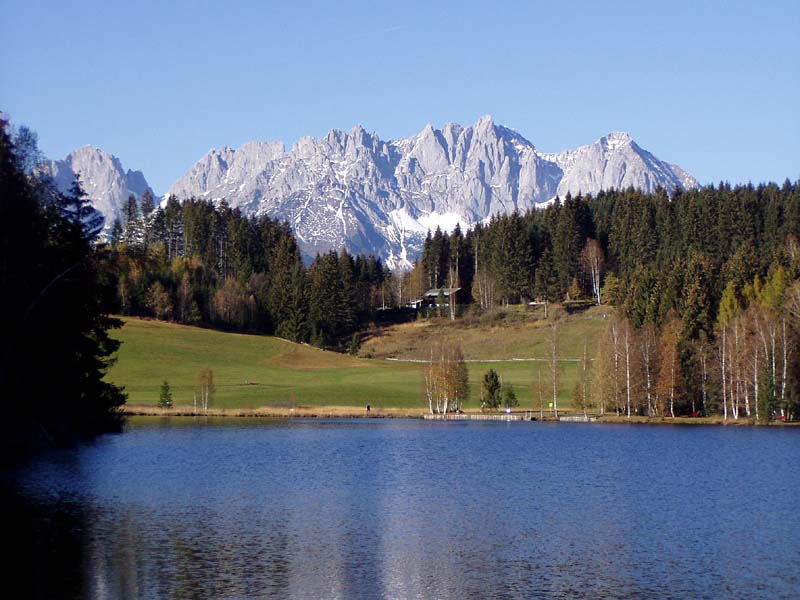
238, 508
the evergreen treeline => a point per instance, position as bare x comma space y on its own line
54, 346
684, 271
197, 262
648, 244
706, 283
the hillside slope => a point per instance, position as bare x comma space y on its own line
250, 371
260, 371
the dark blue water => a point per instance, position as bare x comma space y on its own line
411, 509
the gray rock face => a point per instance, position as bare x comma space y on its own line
615, 161
378, 196
102, 177
354, 189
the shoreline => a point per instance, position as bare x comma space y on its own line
276, 412
354, 412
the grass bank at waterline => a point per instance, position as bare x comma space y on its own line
253, 371
278, 412
263, 376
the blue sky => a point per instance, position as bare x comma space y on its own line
711, 86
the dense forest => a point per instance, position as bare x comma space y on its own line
706, 285
56, 295
196, 262
705, 282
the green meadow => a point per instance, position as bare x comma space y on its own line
252, 371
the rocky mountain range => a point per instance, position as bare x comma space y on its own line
102, 177
354, 189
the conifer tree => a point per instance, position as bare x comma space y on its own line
509, 396
165, 396
53, 314
490, 390
130, 210
148, 203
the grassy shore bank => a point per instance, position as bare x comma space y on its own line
357, 412
251, 372
276, 412
262, 376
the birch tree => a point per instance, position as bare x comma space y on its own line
540, 391
702, 352
451, 298
159, 301
619, 381
580, 396
553, 330
592, 262
728, 328
204, 388
648, 345
607, 369
446, 379
627, 339
669, 371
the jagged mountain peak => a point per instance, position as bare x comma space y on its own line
355, 189
106, 182
373, 195
616, 161
621, 136
615, 140
427, 130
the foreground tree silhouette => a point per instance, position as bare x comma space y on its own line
55, 347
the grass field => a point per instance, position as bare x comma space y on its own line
513, 341
260, 371
251, 371
512, 332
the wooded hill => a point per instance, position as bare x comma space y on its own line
704, 280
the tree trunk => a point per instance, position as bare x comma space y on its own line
672, 387
724, 376
627, 371
541, 397
703, 359
554, 365
785, 362
585, 375
755, 379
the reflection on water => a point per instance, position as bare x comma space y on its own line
409, 509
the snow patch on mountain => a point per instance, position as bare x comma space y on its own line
356, 190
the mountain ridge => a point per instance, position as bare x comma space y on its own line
379, 196
104, 180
